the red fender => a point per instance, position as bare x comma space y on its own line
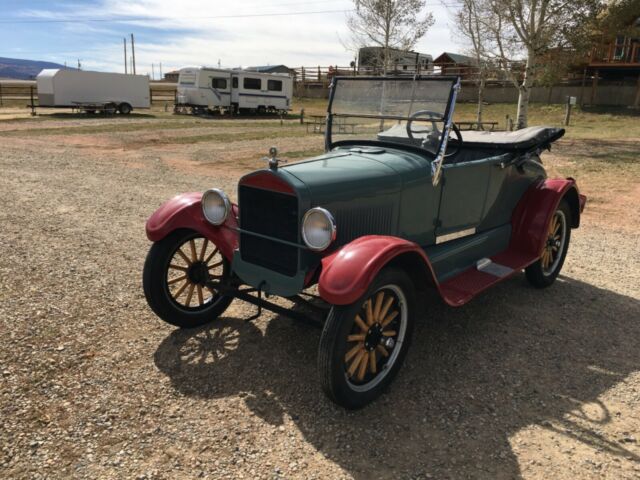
185, 211
533, 213
347, 273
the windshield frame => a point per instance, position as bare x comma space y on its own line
454, 80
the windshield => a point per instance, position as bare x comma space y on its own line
380, 108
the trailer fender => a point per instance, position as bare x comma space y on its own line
533, 213
185, 211
347, 273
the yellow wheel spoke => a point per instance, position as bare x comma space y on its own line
200, 299
181, 289
177, 279
390, 333
385, 308
356, 362
372, 361
369, 312
184, 257
190, 294
351, 353
178, 267
363, 366
361, 324
194, 255
356, 338
389, 318
204, 248
211, 255
214, 265
382, 350
378, 306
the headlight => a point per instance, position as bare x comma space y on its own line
318, 229
215, 206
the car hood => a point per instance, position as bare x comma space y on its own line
346, 176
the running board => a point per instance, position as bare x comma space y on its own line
458, 290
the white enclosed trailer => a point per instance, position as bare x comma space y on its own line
92, 90
234, 91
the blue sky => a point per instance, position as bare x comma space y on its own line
191, 32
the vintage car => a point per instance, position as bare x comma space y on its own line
402, 201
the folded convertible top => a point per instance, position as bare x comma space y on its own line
524, 139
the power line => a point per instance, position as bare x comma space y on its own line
216, 17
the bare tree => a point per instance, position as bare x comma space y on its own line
390, 25
472, 25
521, 32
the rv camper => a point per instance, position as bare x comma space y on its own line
92, 91
235, 91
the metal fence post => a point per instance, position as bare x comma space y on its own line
1, 104
33, 107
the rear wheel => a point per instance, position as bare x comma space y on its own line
544, 272
363, 344
175, 278
125, 109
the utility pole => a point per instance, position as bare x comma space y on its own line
79, 64
125, 55
153, 73
133, 54
161, 71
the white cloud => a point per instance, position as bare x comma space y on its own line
294, 40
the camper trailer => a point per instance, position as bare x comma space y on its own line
233, 91
92, 91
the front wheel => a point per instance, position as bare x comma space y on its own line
175, 277
363, 344
546, 269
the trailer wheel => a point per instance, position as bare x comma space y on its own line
110, 109
125, 109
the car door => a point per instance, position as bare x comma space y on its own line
463, 201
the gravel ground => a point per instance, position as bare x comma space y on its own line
519, 383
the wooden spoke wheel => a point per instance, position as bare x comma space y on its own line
193, 264
363, 344
544, 272
175, 279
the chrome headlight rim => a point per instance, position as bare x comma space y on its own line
332, 223
225, 200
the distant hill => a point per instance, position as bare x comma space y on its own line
23, 69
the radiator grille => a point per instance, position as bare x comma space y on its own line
272, 214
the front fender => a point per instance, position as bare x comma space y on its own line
185, 211
347, 273
534, 211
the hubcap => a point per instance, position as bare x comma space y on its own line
374, 342
192, 265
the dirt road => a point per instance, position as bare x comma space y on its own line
519, 383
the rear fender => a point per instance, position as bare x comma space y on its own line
347, 273
534, 211
185, 211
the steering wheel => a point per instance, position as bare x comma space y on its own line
433, 135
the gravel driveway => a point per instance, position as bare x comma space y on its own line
519, 383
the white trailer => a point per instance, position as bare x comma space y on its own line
234, 91
92, 91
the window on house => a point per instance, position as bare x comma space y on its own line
274, 85
252, 83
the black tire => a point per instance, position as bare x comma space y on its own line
336, 350
544, 271
166, 302
125, 109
